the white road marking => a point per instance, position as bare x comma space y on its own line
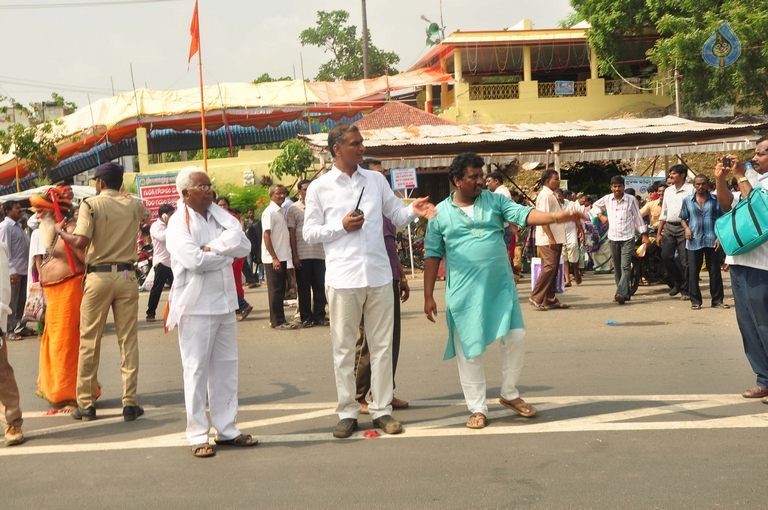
502, 421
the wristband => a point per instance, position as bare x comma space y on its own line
742, 179
554, 218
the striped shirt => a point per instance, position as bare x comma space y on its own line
701, 221
623, 216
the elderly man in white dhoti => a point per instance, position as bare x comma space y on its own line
203, 239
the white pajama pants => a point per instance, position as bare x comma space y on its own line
208, 347
346, 308
472, 371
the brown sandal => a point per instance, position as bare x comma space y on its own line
203, 450
556, 305
519, 406
477, 421
243, 440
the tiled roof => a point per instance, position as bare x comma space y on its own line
396, 114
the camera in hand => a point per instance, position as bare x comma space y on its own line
727, 162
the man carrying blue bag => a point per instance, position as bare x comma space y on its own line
749, 271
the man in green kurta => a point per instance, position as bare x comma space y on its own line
481, 298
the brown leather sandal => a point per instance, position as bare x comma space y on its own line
477, 421
519, 406
203, 450
243, 440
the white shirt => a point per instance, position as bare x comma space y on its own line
219, 295
273, 219
17, 244
502, 190
623, 216
546, 201
673, 202
571, 230
353, 259
160, 253
757, 258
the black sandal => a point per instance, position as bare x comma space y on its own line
243, 440
203, 450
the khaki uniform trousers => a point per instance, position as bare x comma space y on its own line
119, 291
9, 391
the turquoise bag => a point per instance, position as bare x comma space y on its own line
745, 227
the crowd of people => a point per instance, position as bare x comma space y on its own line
339, 240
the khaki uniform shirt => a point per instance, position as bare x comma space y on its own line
110, 220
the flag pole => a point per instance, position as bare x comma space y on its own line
202, 96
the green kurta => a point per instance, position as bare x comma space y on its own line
481, 297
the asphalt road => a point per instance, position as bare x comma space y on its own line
643, 413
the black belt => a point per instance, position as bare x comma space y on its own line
107, 268
675, 223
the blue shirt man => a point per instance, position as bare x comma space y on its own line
698, 215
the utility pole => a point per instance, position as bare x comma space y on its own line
365, 41
677, 91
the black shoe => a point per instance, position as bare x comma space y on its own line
345, 428
151, 318
130, 413
674, 291
388, 424
620, 300
85, 414
243, 312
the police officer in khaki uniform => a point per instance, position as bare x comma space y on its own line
107, 226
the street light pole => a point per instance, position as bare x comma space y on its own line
365, 41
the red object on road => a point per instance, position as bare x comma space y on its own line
370, 434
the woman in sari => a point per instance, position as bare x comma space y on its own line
61, 276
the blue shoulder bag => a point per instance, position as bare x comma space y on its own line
745, 226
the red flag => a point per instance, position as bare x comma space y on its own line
194, 31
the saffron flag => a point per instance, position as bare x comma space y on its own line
194, 31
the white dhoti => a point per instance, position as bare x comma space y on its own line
346, 307
208, 347
472, 371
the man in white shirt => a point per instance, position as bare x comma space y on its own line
203, 240
275, 254
671, 235
623, 215
161, 259
16, 242
549, 241
574, 233
358, 275
749, 271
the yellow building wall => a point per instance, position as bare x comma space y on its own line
551, 109
221, 170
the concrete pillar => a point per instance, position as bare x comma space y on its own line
142, 148
458, 74
526, 63
428, 102
592, 63
444, 96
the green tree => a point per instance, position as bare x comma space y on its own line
266, 78
32, 144
295, 158
69, 106
683, 28
335, 36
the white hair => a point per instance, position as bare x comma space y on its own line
184, 178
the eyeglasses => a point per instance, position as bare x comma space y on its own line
202, 187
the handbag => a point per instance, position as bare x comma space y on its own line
745, 226
34, 308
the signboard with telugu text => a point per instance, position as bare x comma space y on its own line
156, 190
640, 184
403, 178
